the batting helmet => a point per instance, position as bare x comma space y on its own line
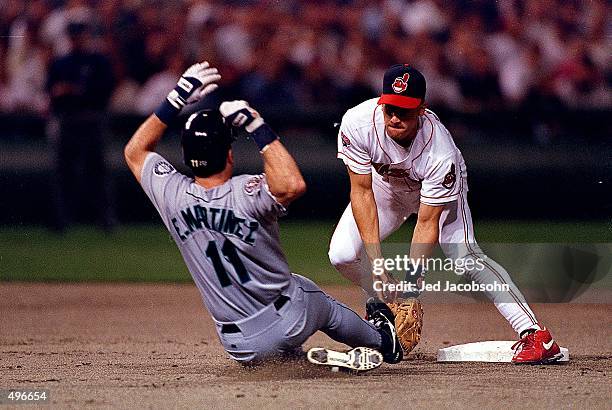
206, 141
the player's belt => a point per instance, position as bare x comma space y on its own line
233, 328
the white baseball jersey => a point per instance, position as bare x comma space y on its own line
429, 167
431, 171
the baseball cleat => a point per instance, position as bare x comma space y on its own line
536, 347
383, 319
359, 359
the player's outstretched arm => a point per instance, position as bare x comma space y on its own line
196, 82
284, 178
143, 142
426, 231
363, 205
364, 208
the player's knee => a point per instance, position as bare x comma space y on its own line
339, 255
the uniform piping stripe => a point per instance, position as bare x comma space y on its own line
438, 197
426, 144
472, 252
514, 296
495, 272
376, 132
355, 161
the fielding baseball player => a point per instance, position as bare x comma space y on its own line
227, 231
401, 160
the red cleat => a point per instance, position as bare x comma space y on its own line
537, 347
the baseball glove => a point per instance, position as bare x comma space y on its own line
408, 322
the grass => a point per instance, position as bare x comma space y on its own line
148, 254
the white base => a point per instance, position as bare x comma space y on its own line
497, 351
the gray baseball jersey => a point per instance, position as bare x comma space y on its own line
227, 235
229, 239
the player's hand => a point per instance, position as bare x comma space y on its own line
195, 83
382, 292
240, 115
207, 77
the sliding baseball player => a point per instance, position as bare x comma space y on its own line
226, 228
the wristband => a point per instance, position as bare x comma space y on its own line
172, 105
167, 112
263, 136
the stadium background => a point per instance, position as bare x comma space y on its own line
524, 90
523, 85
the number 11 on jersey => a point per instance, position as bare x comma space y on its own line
231, 254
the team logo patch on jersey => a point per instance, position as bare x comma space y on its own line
163, 168
253, 184
450, 178
345, 141
401, 83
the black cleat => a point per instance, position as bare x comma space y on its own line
379, 314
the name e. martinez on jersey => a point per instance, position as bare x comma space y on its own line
197, 217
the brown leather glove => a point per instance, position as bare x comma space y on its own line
408, 322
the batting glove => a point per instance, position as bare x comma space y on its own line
240, 115
196, 82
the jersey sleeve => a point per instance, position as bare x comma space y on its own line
162, 183
256, 199
440, 185
349, 151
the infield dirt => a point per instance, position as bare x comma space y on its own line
135, 345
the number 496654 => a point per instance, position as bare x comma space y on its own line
15, 396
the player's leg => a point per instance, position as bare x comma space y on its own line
338, 321
457, 241
308, 310
346, 251
319, 311
239, 348
280, 330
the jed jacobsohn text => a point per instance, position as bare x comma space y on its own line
403, 286
412, 265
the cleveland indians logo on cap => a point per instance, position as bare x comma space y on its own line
401, 83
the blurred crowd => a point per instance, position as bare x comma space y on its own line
475, 54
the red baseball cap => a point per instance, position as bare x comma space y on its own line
403, 86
